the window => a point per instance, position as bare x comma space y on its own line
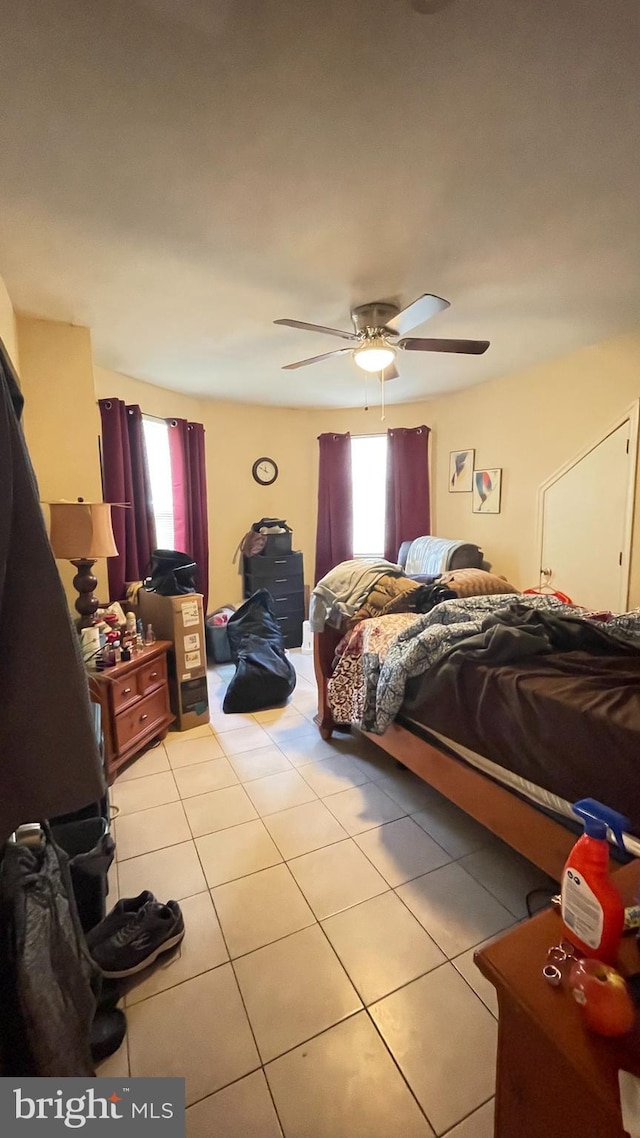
156, 441
369, 473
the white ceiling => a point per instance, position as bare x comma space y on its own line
176, 174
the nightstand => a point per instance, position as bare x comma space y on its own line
134, 700
555, 1079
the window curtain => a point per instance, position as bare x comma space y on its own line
407, 513
189, 479
125, 478
334, 538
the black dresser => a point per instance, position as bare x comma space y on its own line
283, 577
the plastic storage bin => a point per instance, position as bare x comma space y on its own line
90, 849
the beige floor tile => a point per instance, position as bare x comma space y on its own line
218, 810
401, 850
279, 792
381, 946
221, 723
113, 888
261, 908
198, 1030
456, 911
292, 727
251, 765
480, 1124
243, 1110
363, 808
409, 791
336, 877
201, 949
344, 1084
203, 777
276, 714
234, 853
117, 1065
451, 828
171, 874
332, 774
372, 760
305, 701
201, 732
481, 986
507, 875
247, 739
306, 748
143, 793
184, 753
293, 989
444, 1041
304, 828
149, 830
153, 761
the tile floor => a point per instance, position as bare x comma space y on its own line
325, 987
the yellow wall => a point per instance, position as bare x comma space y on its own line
60, 419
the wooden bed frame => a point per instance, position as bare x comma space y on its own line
526, 829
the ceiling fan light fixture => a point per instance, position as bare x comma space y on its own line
376, 355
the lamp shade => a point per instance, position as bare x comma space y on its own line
82, 530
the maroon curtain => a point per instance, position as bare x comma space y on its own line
407, 512
125, 478
334, 538
189, 479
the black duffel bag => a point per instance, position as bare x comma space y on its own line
172, 573
256, 617
264, 675
276, 544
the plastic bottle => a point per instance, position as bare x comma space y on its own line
150, 637
592, 908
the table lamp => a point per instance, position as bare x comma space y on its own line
80, 533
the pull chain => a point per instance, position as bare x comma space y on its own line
366, 391
382, 416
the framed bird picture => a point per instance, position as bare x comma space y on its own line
461, 471
487, 490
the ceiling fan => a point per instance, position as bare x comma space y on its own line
380, 330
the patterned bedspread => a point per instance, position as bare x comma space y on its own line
381, 655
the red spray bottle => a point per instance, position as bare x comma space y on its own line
592, 908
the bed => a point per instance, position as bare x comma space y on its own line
510, 734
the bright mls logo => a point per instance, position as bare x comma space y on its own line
136, 1107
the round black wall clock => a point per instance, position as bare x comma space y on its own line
264, 471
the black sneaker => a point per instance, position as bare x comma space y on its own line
122, 913
136, 944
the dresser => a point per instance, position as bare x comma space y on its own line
134, 700
283, 577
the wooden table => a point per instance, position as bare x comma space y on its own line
134, 699
554, 1078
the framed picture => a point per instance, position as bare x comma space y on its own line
461, 471
487, 488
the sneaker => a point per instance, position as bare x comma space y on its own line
136, 944
122, 913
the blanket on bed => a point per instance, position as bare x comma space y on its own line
368, 685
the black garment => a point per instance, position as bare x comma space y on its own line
49, 760
46, 999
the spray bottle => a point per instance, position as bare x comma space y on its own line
592, 908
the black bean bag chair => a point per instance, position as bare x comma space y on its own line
264, 674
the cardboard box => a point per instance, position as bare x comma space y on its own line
181, 620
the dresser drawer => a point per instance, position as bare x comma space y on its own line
277, 586
152, 675
125, 692
138, 720
259, 570
291, 623
290, 605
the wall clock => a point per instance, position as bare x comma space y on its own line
264, 471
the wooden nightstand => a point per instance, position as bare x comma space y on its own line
555, 1079
134, 699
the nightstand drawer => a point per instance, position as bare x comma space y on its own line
152, 675
125, 692
140, 719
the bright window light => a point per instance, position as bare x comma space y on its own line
156, 440
369, 473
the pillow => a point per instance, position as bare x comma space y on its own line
475, 583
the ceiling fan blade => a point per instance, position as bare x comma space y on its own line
462, 347
422, 309
390, 372
314, 359
319, 328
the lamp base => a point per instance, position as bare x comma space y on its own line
85, 582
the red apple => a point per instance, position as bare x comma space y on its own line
602, 993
